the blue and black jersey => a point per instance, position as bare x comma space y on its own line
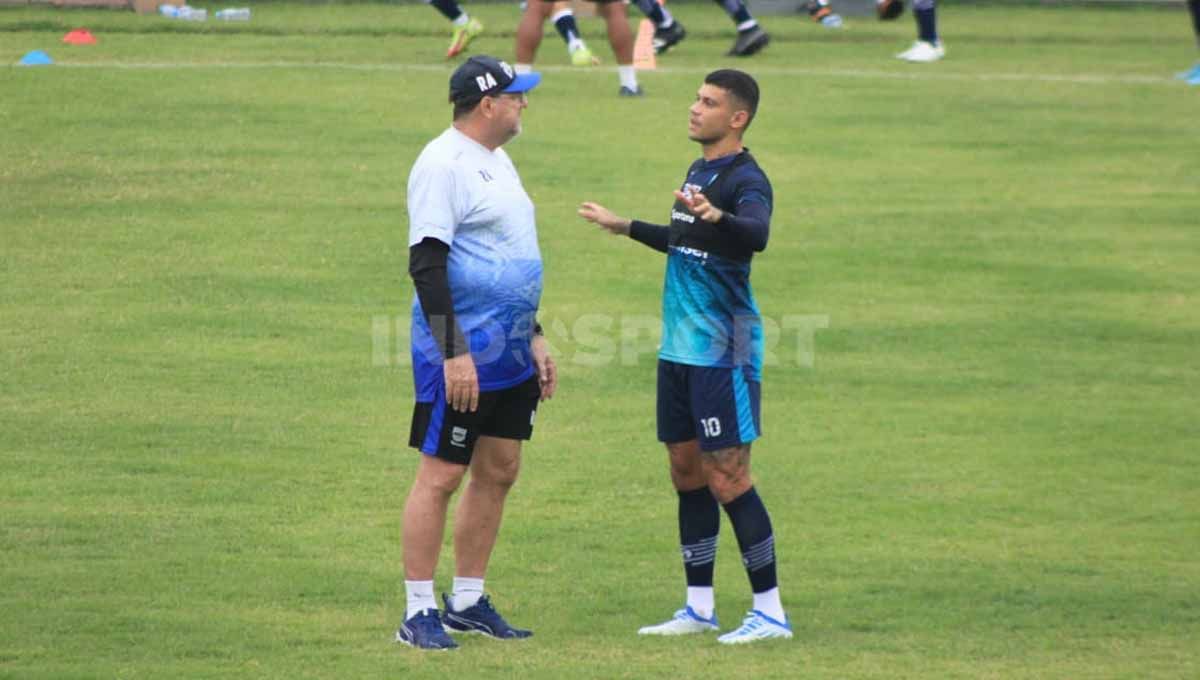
710, 317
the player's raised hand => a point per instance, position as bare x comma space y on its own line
462, 383
697, 204
598, 214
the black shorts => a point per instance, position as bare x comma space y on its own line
718, 406
438, 430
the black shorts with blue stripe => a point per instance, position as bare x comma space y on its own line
438, 430
718, 406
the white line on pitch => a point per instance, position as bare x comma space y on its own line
924, 74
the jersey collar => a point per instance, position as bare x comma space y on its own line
723, 160
467, 138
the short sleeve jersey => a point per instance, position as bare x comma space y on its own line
710, 317
471, 198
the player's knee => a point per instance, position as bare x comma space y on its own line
726, 487
687, 479
686, 474
506, 474
687, 471
442, 480
499, 472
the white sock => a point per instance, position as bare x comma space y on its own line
461, 20
523, 68
768, 603
667, 18
747, 25
466, 593
700, 599
628, 76
575, 43
420, 596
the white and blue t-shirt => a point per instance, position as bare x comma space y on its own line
470, 198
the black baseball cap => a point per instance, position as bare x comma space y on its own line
483, 76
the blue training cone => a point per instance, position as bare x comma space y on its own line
36, 58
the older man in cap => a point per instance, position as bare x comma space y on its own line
480, 363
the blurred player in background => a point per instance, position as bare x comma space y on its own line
668, 32
823, 14
751, 37
928, 47
563, 18
466, 28
620, 37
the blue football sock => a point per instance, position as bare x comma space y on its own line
699, 524
653, 11
448, 8
565, 24
752, 525
926, 21
737, 10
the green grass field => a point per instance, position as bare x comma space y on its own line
987, 470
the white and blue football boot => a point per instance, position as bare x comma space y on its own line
757, 626
685, 622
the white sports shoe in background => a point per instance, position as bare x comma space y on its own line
685, 622
923, 52
757, 626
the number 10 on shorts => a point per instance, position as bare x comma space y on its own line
711, 427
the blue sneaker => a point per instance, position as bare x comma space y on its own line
424, 631
1190, 74
757, 626
481, 617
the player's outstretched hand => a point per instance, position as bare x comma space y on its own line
598, 214
462, 383
547, 371
697, 204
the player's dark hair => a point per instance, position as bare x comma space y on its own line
463, 107
740, 85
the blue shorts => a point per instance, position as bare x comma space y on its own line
718, 406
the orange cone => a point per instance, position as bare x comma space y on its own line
80, 36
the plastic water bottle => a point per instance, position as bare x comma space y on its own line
234, 14
193, 13
831, 21
169, 11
